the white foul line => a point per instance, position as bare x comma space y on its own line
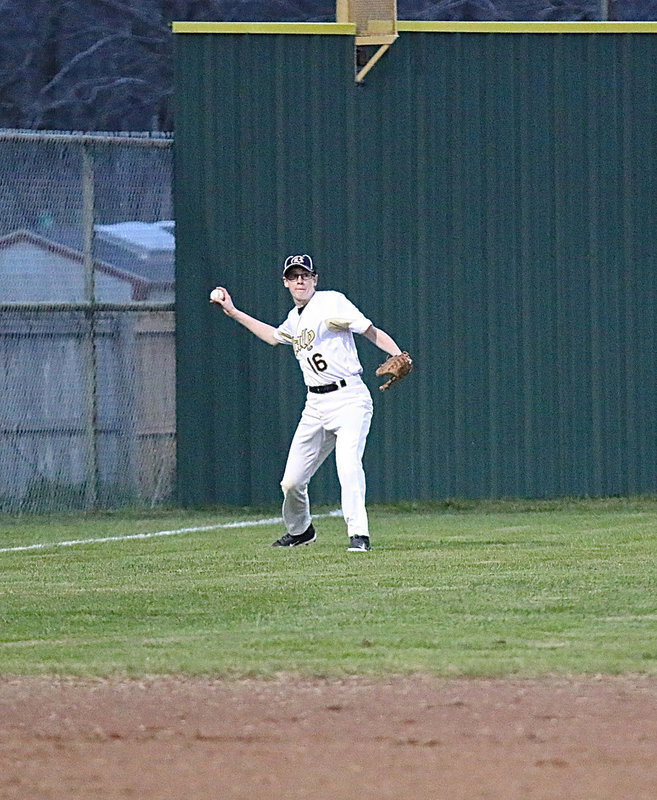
250, 523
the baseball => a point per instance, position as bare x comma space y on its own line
217, 295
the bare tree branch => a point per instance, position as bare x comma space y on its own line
79, 57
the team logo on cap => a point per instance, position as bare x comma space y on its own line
304, 261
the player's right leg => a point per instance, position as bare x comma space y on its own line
309, 449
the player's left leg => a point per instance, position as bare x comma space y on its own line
351, 436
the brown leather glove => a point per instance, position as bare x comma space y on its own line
397, 367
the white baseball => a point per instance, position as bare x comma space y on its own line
217, 295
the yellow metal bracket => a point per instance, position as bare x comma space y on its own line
376, 27
381, 51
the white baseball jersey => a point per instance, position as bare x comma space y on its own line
322, 335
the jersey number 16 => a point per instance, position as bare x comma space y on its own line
317, 363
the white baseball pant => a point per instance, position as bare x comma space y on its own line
339, 421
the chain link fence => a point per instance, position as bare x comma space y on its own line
87, 384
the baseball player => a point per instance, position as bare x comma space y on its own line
338, 410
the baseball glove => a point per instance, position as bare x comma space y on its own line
397, 367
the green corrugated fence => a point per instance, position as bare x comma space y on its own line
486, 196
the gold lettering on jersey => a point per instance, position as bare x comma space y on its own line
304, 341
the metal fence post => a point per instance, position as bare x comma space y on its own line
91, 365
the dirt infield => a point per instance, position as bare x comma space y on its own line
287, 739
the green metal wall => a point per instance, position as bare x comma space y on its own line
487, 198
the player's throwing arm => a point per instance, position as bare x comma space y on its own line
221, 297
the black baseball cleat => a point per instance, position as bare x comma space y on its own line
307, 537
359, 544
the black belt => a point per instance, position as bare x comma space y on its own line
328, 387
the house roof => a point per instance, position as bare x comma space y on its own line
143, 249
140, 284
145, 239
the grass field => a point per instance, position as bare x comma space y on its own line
524, 589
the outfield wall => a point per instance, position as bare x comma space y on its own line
486, 196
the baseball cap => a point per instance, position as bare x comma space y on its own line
304, 261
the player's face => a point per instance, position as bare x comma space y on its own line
301, 284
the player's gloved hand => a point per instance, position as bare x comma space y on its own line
397, 367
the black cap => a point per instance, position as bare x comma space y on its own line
302, 261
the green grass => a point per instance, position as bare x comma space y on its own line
522, 589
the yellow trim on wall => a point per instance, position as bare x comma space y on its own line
408, 26
339, 28
416, 26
